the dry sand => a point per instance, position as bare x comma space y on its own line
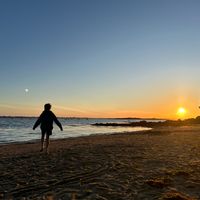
163, 163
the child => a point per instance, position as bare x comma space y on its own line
45, 121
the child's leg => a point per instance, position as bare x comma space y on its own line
48, 140
42, 140
47, 143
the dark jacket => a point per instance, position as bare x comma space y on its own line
46, 120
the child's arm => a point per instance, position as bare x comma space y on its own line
57, 122
37, 123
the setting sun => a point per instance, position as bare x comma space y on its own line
181, 112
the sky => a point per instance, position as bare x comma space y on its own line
100, 58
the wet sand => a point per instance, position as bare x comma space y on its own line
163, 163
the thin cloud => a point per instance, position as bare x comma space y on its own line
70, 109
8, 106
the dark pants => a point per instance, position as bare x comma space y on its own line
46, 132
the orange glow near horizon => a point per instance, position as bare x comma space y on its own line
163, 110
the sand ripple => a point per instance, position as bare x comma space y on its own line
162, 164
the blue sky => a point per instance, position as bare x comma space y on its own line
99, 57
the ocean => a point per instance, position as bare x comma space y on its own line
19, 129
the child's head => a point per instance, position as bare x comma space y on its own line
47, 106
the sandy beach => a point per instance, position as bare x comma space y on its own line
163, 163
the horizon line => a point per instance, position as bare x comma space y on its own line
21, 116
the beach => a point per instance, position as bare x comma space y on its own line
162, 163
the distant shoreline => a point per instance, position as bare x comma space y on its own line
153, 124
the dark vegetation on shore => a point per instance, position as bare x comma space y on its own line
151, 124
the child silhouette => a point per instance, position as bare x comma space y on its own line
45, 121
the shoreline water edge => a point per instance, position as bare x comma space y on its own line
19, 129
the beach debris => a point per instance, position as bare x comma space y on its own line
182, 173
49, 196
158, 183
73, 196
174, 195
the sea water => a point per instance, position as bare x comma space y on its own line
19, 129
